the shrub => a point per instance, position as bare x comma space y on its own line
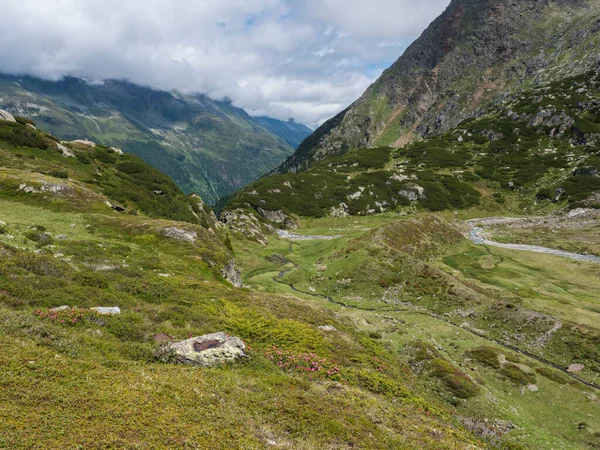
516, 375
487, 356
22, 136
455, 379
304, 363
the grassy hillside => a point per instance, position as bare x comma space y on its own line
205, 146
488, 331
75, 379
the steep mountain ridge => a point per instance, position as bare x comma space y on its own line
475, 54
203, 144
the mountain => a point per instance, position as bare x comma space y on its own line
475, 54
529, 154
290, 131
208, 147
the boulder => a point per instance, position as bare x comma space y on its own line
107, 311
6, 116
576, 368
204, 351
60, 308
66, 151
180, 234
86, 142
328, 328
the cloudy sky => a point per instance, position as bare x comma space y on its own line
305, 59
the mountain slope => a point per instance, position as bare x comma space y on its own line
534, 153
63, 241
291, 132
476, 53
206, 146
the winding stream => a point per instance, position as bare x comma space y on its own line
476, 236
304, 237
283, 273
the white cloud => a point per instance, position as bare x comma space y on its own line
305, 59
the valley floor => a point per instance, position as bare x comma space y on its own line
535, 313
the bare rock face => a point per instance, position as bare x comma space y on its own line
460, 64
232, 274
245, 225
204, 351
6, 116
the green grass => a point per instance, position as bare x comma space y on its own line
76, 380
506, 291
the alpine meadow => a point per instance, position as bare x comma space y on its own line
186, 264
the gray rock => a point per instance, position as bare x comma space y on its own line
84, 142
278, 217
107, 311
60, 308
6, 116
203, 351
328, 328
180, 234
576, 368
66, 151
232, 274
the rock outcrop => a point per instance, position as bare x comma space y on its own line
203, 351
245, 225
232, 274
6, 116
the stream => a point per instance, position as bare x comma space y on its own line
476, 235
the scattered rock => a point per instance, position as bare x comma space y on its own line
6, 116
60, 308
575, 368
204, 351
341, 211
107, 311
328, 328
46, 187
115, 206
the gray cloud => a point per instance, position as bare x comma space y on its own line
305, 59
